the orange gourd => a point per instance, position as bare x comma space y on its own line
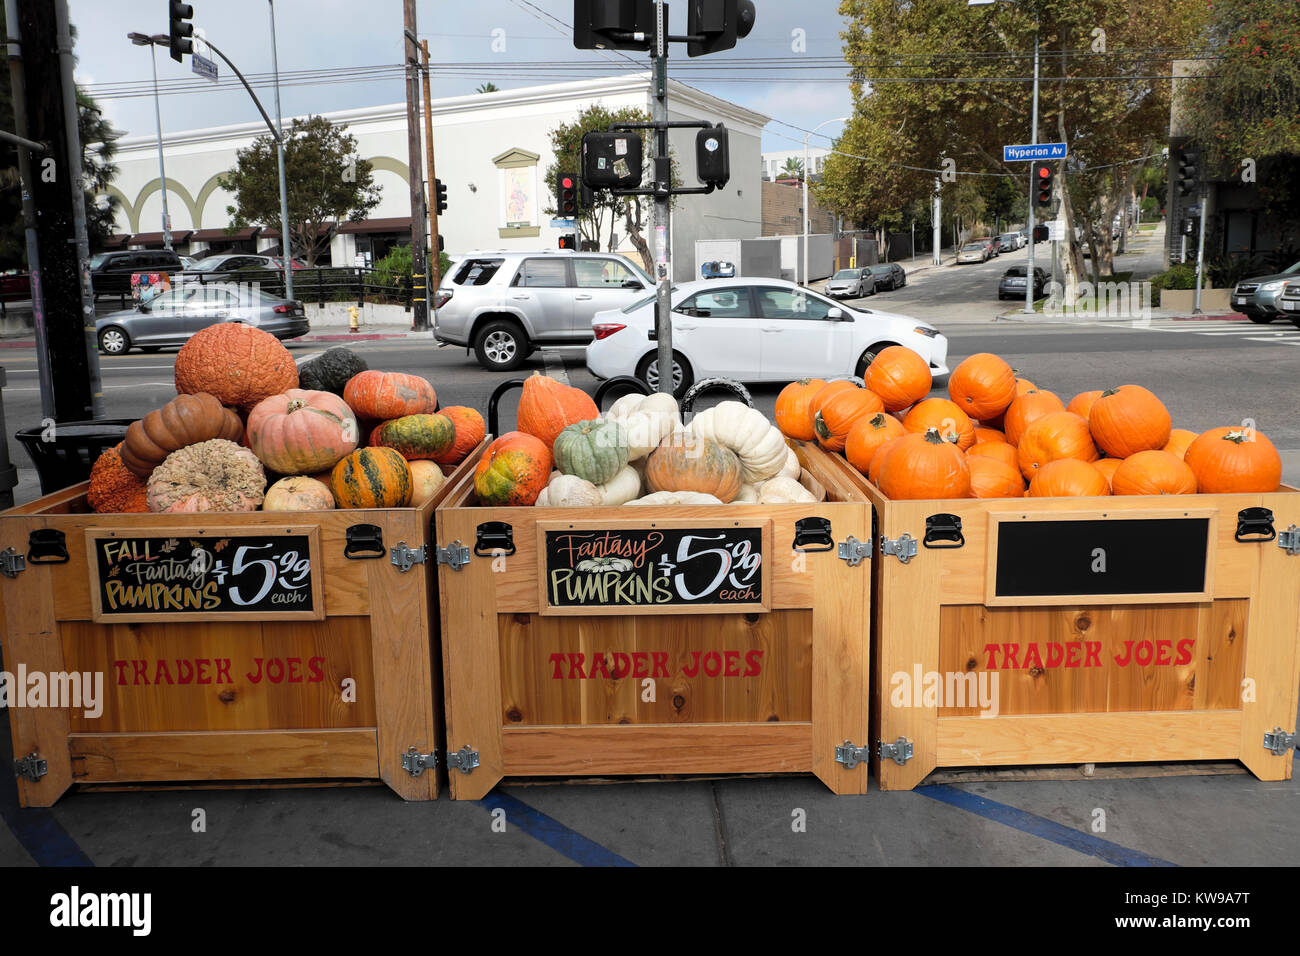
513, 471
114, 488
991, 478
922, 467
900, 377
792, 415
1023, 385
236, 363
1029, 407
997, 450
470, 432
1180, 439
1231, 461
1082, 403
1054, 436
824, 395
686, 462
548, 407
1153, 473
1127, 420
185, 420
371, 478
983, 386
389, 395
946, 417
1068, 478
841, 412
869, 435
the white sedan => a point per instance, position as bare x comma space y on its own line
754, 330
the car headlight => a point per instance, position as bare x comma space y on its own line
925, 330
1272, 286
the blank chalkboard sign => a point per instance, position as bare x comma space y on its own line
1112, 559
661, 566
218, 575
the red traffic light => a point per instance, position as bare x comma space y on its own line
1044, 172
566, 182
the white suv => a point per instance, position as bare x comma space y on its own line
506, 305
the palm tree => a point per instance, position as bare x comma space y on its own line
488, 88
793, 169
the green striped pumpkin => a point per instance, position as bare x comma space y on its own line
372, 478
416, 437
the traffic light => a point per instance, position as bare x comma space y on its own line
713, 156
611, 159
566, 195
440, 195
714, 25
569, 242
180, 29
1042, 184
1188, 172
612, 24
1040, 233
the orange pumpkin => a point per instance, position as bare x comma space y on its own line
1108, 467
792, 415
1180, 439
236, 363
686, 462
513, 471
1056, 435
1153, 473
371, 478
867, 436
841, 412
1082, 403
1068, 478
997, 450
983, 386
824, 395
991, 478
1127, 420
946, 417
1023, 385
1026, 409
470, 432
880, 457
922, 467
548, 407
185, 420
984, 433
115, 489
1232, 461
900, 377
301, 432
388, 395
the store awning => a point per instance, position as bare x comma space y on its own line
117, 240
156, 238
220, 235
365, 226
272, 232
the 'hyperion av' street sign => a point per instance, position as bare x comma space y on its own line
1018, 154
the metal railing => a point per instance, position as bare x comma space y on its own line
320, 284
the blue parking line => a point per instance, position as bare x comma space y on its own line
36, 829
1041, 827
553, 833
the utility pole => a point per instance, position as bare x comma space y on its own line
663, 205
435, 247
419, 278
286, 246
1200, 251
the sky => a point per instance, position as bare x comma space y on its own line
324, 34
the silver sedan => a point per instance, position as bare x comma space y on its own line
172, 317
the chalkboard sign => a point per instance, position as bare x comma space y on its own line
218, 575
668, 568
1114, 556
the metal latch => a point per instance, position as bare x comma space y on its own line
416, 763
364, 541
455, 555
494, 538
903, 547
854, 551
1255, 524
11, 563
850, 755
464, 759
900, 752
945, 528
47, 546
1288, 540
812, 535
1278, 741
405, 558
32, 767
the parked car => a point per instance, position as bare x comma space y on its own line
505, 305
851, 284
889, 276
171, 317
1257, 298
110, 272
188, 262
1289, 302
219, 267
1012, 283
992, 243
15, 286
1008, 242
755, 330
976, 251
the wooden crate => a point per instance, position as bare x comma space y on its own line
762, 680
272, 692
1125, 629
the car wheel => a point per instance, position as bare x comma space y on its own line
683, 378
501, 346
114, 341
869, 356
1261, 319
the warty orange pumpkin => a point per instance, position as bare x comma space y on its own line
236, 363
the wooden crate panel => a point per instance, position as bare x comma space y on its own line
224, 676
704, 668
1078, 660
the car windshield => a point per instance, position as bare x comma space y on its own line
643, 302
1009, 235
98, 259
1292, 270
848, 274
973, 247
1015, 271
207, 265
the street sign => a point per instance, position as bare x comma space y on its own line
1018, 154
1056, 231
564, 224
201, 62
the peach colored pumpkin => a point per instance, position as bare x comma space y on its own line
300, 432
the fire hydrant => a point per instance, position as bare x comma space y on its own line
353, 325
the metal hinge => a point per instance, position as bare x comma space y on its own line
850, 755
465, 759
416, 763
903, 547
12, 563
405, 558
32, 767
900, 752
1278, 741
455, 555
1289, 540
854, 551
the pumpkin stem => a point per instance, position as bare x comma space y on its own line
295, 404
878, 420
1109, 392
1238, 436
933, 437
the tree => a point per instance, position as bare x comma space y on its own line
327, 183
488, 88
793, 169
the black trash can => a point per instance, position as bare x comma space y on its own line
65, 452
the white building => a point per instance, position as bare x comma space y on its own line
492, 152
774, 162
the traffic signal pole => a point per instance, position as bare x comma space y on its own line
1200, 254
1033, 141
435, 247
419, 272
663, 205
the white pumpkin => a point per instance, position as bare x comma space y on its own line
758, 443
675, 498
785, 491
569, 491
792, 467
647, 420
748, 495
620, 489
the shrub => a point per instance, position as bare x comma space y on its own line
1180, 277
